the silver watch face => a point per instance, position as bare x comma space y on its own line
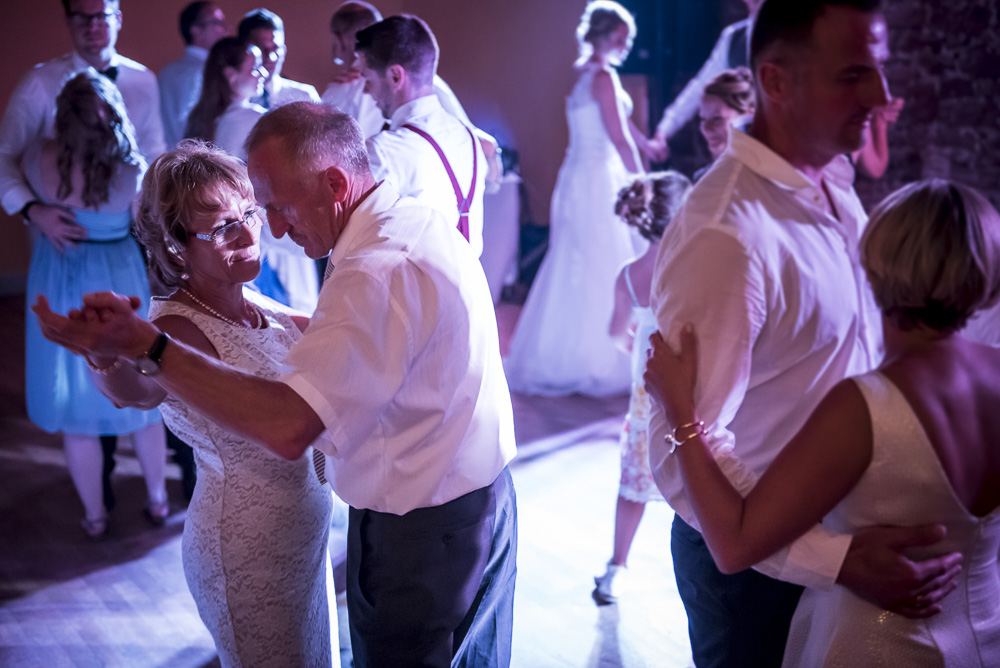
147, 367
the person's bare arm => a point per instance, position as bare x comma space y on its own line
117, 378
268, 412
806, 480
872, 159
614, 121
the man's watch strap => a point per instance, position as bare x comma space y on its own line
149, 364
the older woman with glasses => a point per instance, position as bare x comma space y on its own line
255, 540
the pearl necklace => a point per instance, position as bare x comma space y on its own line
256, 312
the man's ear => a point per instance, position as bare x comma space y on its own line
396, 76
337, 182
775, 81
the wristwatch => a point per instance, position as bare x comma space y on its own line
149, 364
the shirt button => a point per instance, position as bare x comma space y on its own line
447, 538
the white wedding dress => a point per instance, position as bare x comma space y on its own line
904, 486
255, 538
561, 344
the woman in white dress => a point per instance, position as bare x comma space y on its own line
224, 115
914, 442
561, 344
255, 540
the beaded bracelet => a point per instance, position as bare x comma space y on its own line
674, 441
103, 371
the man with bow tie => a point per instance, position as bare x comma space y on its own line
93, 27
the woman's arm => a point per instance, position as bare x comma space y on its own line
872, 159
117, 378
615, 122
808, 478
651, 151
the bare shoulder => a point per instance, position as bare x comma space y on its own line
184, 330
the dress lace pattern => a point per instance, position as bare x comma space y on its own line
255, 539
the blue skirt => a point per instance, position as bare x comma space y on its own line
58, 389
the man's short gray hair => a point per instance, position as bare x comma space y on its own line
314, 136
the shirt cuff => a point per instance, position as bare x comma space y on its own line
317, 401
814, 560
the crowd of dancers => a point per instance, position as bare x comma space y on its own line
290, 282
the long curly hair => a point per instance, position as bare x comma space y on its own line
93, 128
216, 93
651, 201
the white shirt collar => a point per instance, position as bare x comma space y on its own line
79, 63
196, 51
763, 161
381, 199
422, 106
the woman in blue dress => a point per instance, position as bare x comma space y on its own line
93, 170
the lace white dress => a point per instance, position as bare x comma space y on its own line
561, 344
904, 486
255, 539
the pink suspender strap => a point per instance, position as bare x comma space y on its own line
464, 201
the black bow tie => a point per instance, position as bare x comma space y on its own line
111, 73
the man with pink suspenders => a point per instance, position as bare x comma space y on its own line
424, 152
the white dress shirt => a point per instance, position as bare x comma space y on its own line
282, 91
685, 106
408, 161
401, 361
351, 99
180, 88
30, 116
783, 312
234, 125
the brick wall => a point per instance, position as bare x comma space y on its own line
946, 64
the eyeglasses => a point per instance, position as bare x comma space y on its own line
83, 19
230, 232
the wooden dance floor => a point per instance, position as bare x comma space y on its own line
65, 601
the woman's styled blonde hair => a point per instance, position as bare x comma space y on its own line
932, 254
651, 201
196, 179
600, 19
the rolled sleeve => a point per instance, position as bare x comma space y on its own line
352, 359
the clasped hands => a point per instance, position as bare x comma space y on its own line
105, 327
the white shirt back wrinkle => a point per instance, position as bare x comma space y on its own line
402, 364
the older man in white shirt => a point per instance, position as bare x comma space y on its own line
202, 24
425, 153
30, 115
400, 364
763, 259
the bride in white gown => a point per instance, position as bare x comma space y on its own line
915, 442
561, 344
